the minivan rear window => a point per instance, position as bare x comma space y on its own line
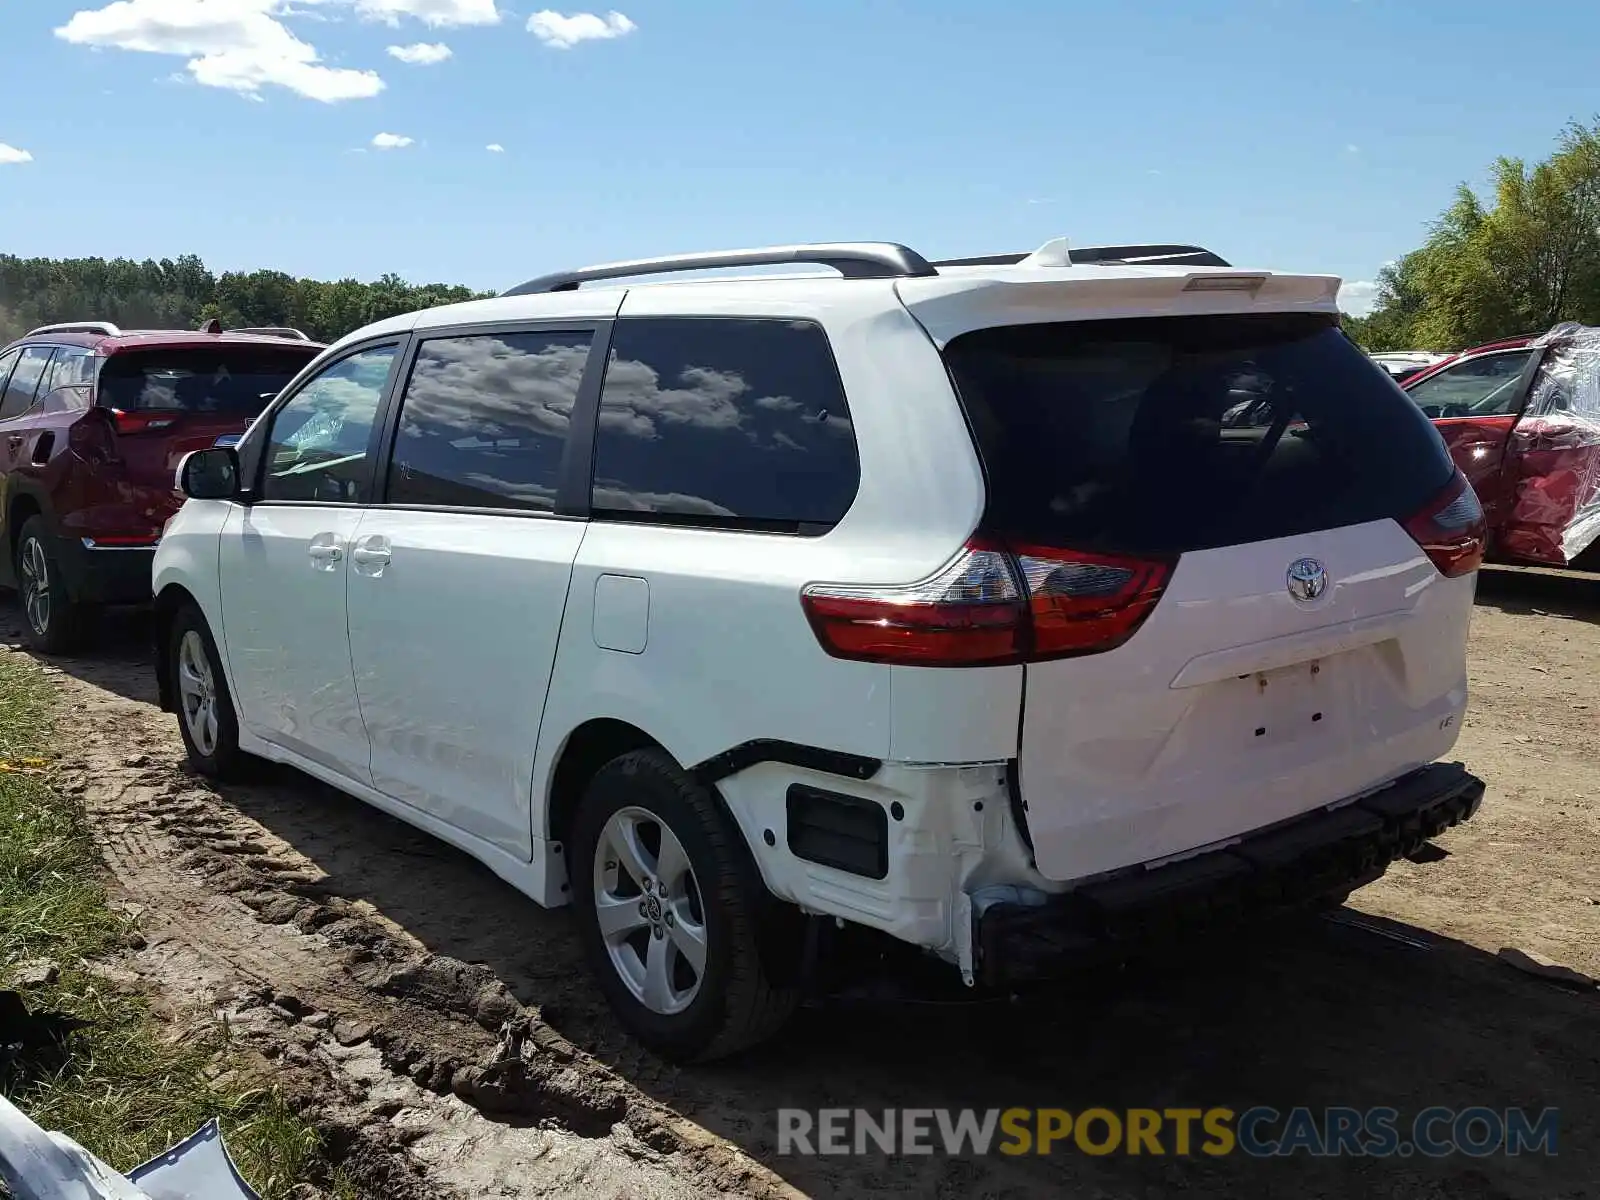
1165, 434
235, 381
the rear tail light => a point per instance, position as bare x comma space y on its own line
1084, 603
969, 613
1451, 529
993, 604
139, 421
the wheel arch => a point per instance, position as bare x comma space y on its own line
586, 749
23, 503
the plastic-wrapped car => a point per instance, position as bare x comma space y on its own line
1522, 421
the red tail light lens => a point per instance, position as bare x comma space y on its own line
1451, 529
140, 421
969, 614
1085, 603
992, 605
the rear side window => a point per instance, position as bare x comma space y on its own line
232, 381
24, 382
69, 368
484, 420
740, 423
1160, 435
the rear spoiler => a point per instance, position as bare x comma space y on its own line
948, 306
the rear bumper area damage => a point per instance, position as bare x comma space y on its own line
1293, 865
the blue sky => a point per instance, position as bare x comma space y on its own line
1299, 134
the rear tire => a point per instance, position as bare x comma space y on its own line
700, 898
52, 621
204, 706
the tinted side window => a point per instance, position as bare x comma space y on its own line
317, 447
736, 422
24, 382
484, 420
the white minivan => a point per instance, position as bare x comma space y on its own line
1026, 609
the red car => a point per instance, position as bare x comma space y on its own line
93, 423
1522, 420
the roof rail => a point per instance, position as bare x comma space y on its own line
105, 327
1139, 256
853, 260
280, 331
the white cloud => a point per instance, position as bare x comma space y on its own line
10, 154
431, 12
239, 45
1352, 148
421, 54
1358, 298
564, 32
390, 141
495, 148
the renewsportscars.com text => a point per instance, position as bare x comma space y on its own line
1258, 1132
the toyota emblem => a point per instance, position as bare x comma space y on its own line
1307, 579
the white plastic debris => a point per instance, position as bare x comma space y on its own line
39, 1165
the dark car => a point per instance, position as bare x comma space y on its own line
1522, 420
93, 423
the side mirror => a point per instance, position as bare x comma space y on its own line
210, 474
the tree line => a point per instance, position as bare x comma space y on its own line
1520, 261
183, 293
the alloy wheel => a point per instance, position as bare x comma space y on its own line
198, 693
34, 569
650, 912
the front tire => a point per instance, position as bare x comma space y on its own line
52, 621
674, 919
206, 716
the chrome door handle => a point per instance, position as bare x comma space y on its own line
325, 554
365, 554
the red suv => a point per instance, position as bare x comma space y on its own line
93, 423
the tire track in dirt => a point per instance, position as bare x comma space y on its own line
427, 1076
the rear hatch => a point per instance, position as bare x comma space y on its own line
165, 401
1250, 560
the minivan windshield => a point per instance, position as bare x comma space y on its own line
1167, 434
234, 381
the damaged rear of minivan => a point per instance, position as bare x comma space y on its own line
1236, 568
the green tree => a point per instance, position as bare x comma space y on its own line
1529, 261
181, 293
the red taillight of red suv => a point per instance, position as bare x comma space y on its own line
140, 421
994, 604
1451, 529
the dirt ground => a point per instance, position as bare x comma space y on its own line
446, 1037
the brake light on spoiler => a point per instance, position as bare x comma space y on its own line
995, 603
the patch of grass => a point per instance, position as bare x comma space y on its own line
126, 1086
